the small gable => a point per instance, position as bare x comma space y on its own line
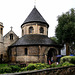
10, 38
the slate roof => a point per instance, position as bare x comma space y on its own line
34, 39
35, 16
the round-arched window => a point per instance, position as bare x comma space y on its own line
31, 29
11, 36
41, 30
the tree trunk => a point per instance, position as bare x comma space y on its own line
67, 49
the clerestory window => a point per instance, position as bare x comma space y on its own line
41, 30
31, 30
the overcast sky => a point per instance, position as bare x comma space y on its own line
14, 12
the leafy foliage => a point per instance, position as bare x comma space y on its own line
65, 30
62, 65
67, 64
70, 59
53, 65
54, 39
5, 68
15, 68
3, 65
37, 66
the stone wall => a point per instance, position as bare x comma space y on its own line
1, 38
8, 41
36, 27
27, 59
70, 70
34, 54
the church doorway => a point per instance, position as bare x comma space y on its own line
51, 54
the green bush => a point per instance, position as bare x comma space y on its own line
14, 68
31, 67
3, 65
37, 66
59, 65
53, 65
42, 66
67, 64
24, 69
5, 70
70, 59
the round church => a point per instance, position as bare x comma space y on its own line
34, 46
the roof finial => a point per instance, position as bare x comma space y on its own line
34, 3
11, 28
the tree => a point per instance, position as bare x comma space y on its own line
54, 39
65, 30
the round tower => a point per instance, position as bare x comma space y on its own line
34, 45
35, 24
1, 38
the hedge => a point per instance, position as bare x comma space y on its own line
70, 59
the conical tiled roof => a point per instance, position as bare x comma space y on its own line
35, 16
34, 39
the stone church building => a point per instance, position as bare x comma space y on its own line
6, 41
34, 45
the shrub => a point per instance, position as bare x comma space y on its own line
59, 65
5, 70
42, 66
15, 68
70, 59
37, 66
3, 65
53, 65
31, 67
67, 64
24, 69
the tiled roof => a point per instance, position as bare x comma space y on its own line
35, 16
34, 39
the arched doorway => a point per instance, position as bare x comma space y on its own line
51, 54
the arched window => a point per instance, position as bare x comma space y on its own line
11, 36
26, 51
31, 29
41, 30
1, 30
